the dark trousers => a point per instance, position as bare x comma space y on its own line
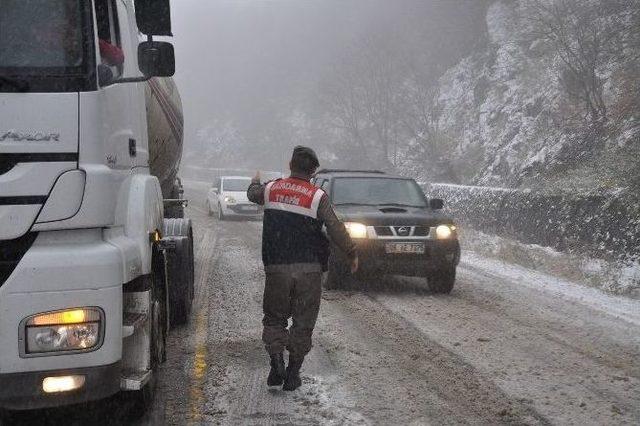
295, 295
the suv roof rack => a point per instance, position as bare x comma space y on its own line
349, 171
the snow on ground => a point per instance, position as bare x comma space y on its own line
618, 306
613, 277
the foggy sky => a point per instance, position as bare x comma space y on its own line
233, 55
236, 57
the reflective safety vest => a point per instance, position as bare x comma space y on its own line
292, 232
293, 195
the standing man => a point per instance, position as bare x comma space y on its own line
295, 253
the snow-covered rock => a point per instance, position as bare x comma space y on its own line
511, 123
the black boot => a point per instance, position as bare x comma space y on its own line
293, 380
277, 373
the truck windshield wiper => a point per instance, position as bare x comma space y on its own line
21, 86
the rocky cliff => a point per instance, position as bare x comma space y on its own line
509, 116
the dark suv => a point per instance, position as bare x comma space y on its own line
397, 229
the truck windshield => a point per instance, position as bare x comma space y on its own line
378, 192
42, 39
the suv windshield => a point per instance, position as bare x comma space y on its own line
42, 39
235, 185
377, 191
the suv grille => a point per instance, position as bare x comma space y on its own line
421, 231
384, 231
402, 231
11, 252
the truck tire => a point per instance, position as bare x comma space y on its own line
181, 271
442, 281
209, 211
143, 399
174, 212
336, 274
220, 215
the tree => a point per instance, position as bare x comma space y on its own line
365, 101
583, 37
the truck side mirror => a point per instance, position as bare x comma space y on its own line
436, 203
156, 59
153, 17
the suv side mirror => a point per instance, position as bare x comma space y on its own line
156, 59
436, 203
214, 190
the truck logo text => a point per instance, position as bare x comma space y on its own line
15, 136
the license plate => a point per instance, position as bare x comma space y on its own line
249, 209
405, 248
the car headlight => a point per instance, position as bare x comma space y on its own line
356, 230
69, 330
229, 200
445, 232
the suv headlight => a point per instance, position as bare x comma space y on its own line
445, 232
229, 200
69, 330
356, 230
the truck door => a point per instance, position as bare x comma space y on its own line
120, 103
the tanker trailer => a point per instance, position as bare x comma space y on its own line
166, 131
165, 123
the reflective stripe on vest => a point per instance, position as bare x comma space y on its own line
293, 195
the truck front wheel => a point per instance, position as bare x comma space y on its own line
143, 399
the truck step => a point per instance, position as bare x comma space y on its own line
134, 380
131, 322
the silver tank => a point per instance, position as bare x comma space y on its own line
166, 132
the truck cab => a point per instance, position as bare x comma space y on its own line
84, 296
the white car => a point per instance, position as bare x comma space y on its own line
228, 198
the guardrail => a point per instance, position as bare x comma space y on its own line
605, 226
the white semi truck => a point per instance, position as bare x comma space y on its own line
96, 258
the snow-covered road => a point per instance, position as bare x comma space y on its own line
508, 345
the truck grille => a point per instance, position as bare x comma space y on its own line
11, 252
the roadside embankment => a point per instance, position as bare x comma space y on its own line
594, 239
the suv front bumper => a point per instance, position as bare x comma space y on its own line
374, 259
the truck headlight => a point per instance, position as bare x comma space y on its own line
68, 330
445, 232
356, 230
229, 200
